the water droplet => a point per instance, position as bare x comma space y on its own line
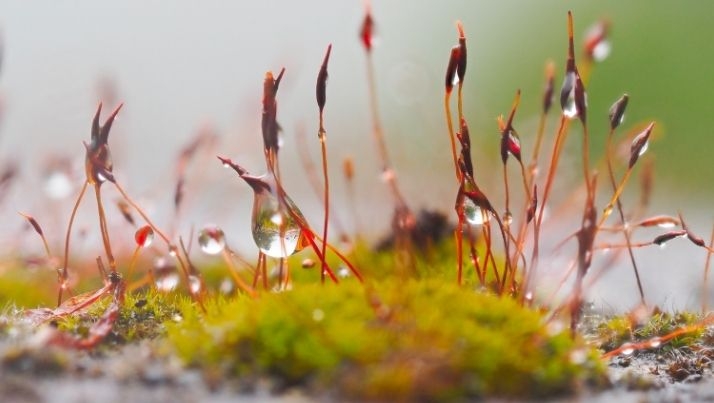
177, 318
195, 285
343, 272
602, 50
529, 296
144, 236
655, 342
578, 356
318, 315
308, 264
226, 287
627, 349
166, 276
567, 96
644, 148
555, 328
212, 240
275, 230
474, 215
605, 250
666, 225
388, 175
608, 210
173, 251
507, 218
167, 282
58, 185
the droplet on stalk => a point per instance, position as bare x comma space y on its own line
165, 273
144, 236
661, 240
195, 285
474, 214
276, 220
573, 99
597, 46
212, 240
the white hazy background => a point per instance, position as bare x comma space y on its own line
183, 66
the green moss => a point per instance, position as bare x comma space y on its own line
142, 317
402, 340
618, 330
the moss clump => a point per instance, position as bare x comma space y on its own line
396, 340
142, 316
614, 332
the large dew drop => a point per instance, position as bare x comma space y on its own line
275, 230
474, 214
212, 240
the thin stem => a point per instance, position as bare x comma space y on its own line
63, 273
625, 227
132, 263
450, 125
144, 216
323, 146
586, 157
103, 228
710, 251
458, 233
536, 149
379, 135
615, 197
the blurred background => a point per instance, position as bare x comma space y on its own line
192, 68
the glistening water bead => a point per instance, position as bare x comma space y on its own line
212, 240
275, 230
474, 214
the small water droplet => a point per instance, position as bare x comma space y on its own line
662, 245
605, 250
58, 185
173, 251
655, 342
388, 175
627, 349
344, 272
226, 287
578, 356
555, 328
570, 110
166, 277
195, 285
602, 50
308, 264
144, 236
643, 149
177, 318
507, 218
608, 210
318, 315
667, 224
529, 296
167, 282
212, 240
474, 215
